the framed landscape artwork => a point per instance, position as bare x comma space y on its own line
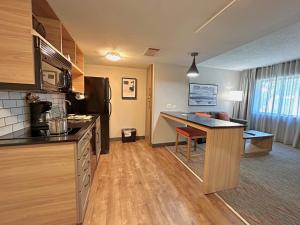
129, 88
203, 94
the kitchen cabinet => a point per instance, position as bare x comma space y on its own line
45, 183
16, 44
60, 38
38, 184
16, 58
84, 173
98, 138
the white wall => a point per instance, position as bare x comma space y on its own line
227, 80
125, 113
170, 88
170, 92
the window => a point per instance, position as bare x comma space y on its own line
277, 96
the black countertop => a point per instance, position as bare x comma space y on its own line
23, 137
204, 121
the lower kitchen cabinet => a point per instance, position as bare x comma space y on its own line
45, 183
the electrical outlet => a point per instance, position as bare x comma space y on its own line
169, 106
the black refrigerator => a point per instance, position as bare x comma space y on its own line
97, 93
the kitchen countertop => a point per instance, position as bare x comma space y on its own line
204, 121
23, 137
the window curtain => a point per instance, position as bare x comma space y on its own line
275, 107
242, 110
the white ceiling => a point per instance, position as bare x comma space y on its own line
129, 27
280, 46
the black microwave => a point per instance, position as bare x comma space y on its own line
52, 70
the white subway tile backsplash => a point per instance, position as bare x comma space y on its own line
5, 113
21, 103
2, 123
21, 118
17, 126
9, 103
11, 120
4, 95
5, 130
14, 95
16, 111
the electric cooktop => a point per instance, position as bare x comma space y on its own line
29, 133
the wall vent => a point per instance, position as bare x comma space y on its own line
151, 51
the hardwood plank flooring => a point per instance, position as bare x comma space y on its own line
136, 184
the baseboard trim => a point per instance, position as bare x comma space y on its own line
167, 144
120, 138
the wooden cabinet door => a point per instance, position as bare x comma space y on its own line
16, 48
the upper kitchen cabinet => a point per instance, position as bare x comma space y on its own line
16, 58
59, 37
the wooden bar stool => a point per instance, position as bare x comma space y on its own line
190, 134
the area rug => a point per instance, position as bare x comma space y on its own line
269, 189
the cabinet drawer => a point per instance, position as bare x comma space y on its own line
84, 163
83, 143
84, 180
83, 198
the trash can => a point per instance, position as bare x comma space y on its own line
128, 135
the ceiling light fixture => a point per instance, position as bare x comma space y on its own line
112, 56
214, 16
193, 71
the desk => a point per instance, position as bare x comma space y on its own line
224, 145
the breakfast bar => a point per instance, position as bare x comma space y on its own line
224, 144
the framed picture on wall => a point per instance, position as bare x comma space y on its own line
203, 94
129, 88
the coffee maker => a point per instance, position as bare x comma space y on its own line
38, 115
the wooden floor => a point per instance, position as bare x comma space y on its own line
136, 184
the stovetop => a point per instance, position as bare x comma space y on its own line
28, 137
29, 133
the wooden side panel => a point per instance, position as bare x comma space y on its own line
68, 44
37, 185
53, 31
222, 159
78, 83
43, 9
79, 58
16, 42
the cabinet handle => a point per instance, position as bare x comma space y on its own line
87, 152
85, 169
85, 185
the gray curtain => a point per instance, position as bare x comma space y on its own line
273, 111
278, 118
242, 110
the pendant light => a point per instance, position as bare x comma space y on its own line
193, 71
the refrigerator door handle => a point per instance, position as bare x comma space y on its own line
110, 109
109, 92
